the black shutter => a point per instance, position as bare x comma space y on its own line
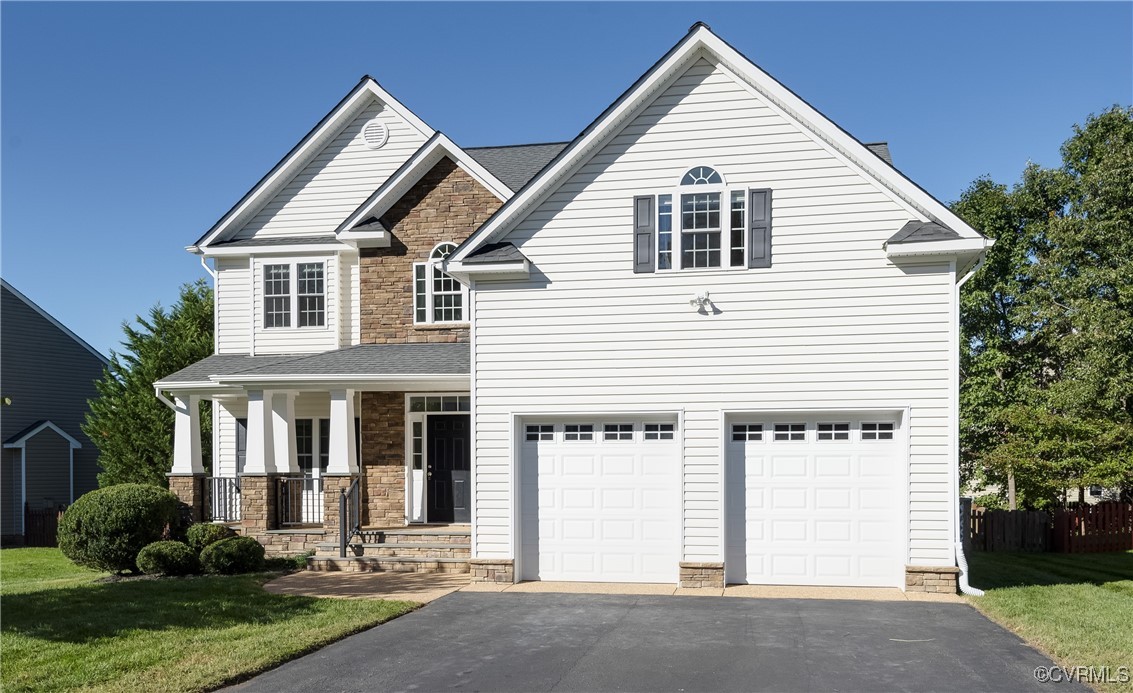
241, 444
644, 226
759, 229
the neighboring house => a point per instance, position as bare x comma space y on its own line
712, 338
47, 375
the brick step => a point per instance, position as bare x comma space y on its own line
399, 564
458, 535
419, 550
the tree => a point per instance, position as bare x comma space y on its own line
132, 429
1047, 325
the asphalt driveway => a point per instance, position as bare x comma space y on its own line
573, 642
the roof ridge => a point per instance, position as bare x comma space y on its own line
509, 146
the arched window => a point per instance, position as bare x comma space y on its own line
438, 297
702, 175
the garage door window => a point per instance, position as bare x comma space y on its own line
790, 432
577, 432
658, 431
877, 431
744, 432
833, 431
541, 432
617, 432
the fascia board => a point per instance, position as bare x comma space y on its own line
410, 173
966, 245
252, 250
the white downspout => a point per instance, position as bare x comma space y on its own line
961, 559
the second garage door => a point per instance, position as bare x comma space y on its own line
815, 502
599, 501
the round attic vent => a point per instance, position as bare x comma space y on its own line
375, 133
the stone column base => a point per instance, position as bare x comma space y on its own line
257, 503
706, 575
492, 570
190, 489
333, 486
941, 579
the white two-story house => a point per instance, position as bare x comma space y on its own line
712, 339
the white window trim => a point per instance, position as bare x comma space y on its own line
833, 432
293, 288
725, 229
892, 431
806, 431
593, 433
429, 307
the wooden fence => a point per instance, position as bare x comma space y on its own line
1092, 528
40, 526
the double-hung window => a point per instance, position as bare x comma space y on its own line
702, 224
295, 294
437, 296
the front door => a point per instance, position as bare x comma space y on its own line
447, 483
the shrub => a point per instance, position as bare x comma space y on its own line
203, 534
106, 528
233, 555
168, 558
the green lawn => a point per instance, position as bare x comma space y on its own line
61, 629
1076, 607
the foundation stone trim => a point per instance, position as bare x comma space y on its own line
501, 570
938, 579
702, 575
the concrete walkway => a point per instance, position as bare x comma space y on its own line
425, 587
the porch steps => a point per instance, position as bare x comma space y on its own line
424, 549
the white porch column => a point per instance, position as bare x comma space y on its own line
259, 453
283, 430
187, 436
343, 449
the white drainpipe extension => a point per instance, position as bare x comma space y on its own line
961, 559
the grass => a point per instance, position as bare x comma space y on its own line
1076, 607
62, 628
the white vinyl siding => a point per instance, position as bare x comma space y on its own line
224, 463
831, 325
337, 180
233, 305
290, 340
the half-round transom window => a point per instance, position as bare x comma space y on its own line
702, 175
442, 251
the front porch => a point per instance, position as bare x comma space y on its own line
305, 464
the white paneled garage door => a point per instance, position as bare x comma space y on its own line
815, 502
600, 501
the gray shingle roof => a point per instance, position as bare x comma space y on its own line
881, 149
362, 360
376, 359
922, 231
517, 164
286, 240
495, 252
222, 364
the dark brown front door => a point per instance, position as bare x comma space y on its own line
447, 487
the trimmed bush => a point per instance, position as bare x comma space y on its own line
232, 556
168, 558
203, 534
106, 528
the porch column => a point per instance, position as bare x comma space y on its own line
343, 463
186, 478
343, 448
187, 436
257, 482
259, 453
283, 428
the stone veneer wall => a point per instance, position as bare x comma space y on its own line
190, 489
492, 570
446, 205
708, 575
932, 579
383, 458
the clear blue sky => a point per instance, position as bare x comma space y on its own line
129, 129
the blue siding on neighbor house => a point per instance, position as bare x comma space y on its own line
47, 375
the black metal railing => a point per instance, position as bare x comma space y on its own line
299, 501
223, 503
349, 515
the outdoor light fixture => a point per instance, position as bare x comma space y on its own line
700, 301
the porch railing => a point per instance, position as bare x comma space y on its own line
223, 498
350, 515
299, 501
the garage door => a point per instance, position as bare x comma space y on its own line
815, 502
600, 501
